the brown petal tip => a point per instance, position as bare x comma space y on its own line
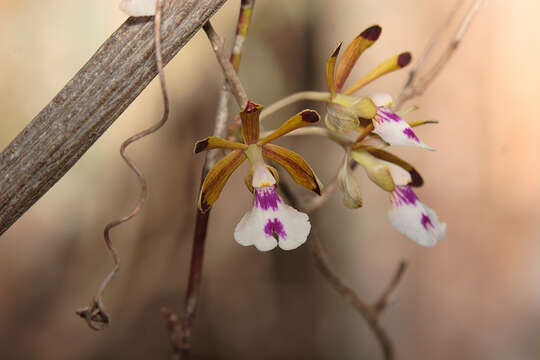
336, 51
310, 116
404, 59
201, 145
416, 178
372, 33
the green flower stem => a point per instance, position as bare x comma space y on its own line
299, 96
317, 131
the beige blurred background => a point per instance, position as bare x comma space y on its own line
476, 295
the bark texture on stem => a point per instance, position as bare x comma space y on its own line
89, 103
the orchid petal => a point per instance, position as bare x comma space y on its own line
262, 177
217, 177
395, 131
250, 122
138, 7
330, 71
400, 176
353, 52
271, 223
303, 118
382, 99
251, 179
394, 63
295, 165
413, 219
376, 170
214, 142
414, 177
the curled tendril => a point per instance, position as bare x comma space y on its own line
94, 314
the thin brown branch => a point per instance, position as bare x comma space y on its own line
432, 42
228, 70
182, 331
417, 83
95, 315
382, 302
90, 102
370, 312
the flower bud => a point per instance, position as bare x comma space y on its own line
349, 185
343, 112
377, 171
341, 118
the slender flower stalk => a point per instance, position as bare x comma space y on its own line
182, 334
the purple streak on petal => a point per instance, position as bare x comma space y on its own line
403, 195
275, 228
266, 197
410, 134
426, 221
386, 116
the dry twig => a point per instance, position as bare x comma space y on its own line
95, 315
228, 70
370, 312
417, 83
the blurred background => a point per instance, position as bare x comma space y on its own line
475, 295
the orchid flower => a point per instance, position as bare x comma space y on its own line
407, 213
346, 113
379, 127
270, 222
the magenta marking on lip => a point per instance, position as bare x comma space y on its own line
388, 116
403, 195
275, 228
426, 221
411, 135
266, 198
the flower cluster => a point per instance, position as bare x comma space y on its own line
270, 222
378, 127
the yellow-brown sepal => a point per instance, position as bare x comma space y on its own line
363, 41
217, 177
295, 165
